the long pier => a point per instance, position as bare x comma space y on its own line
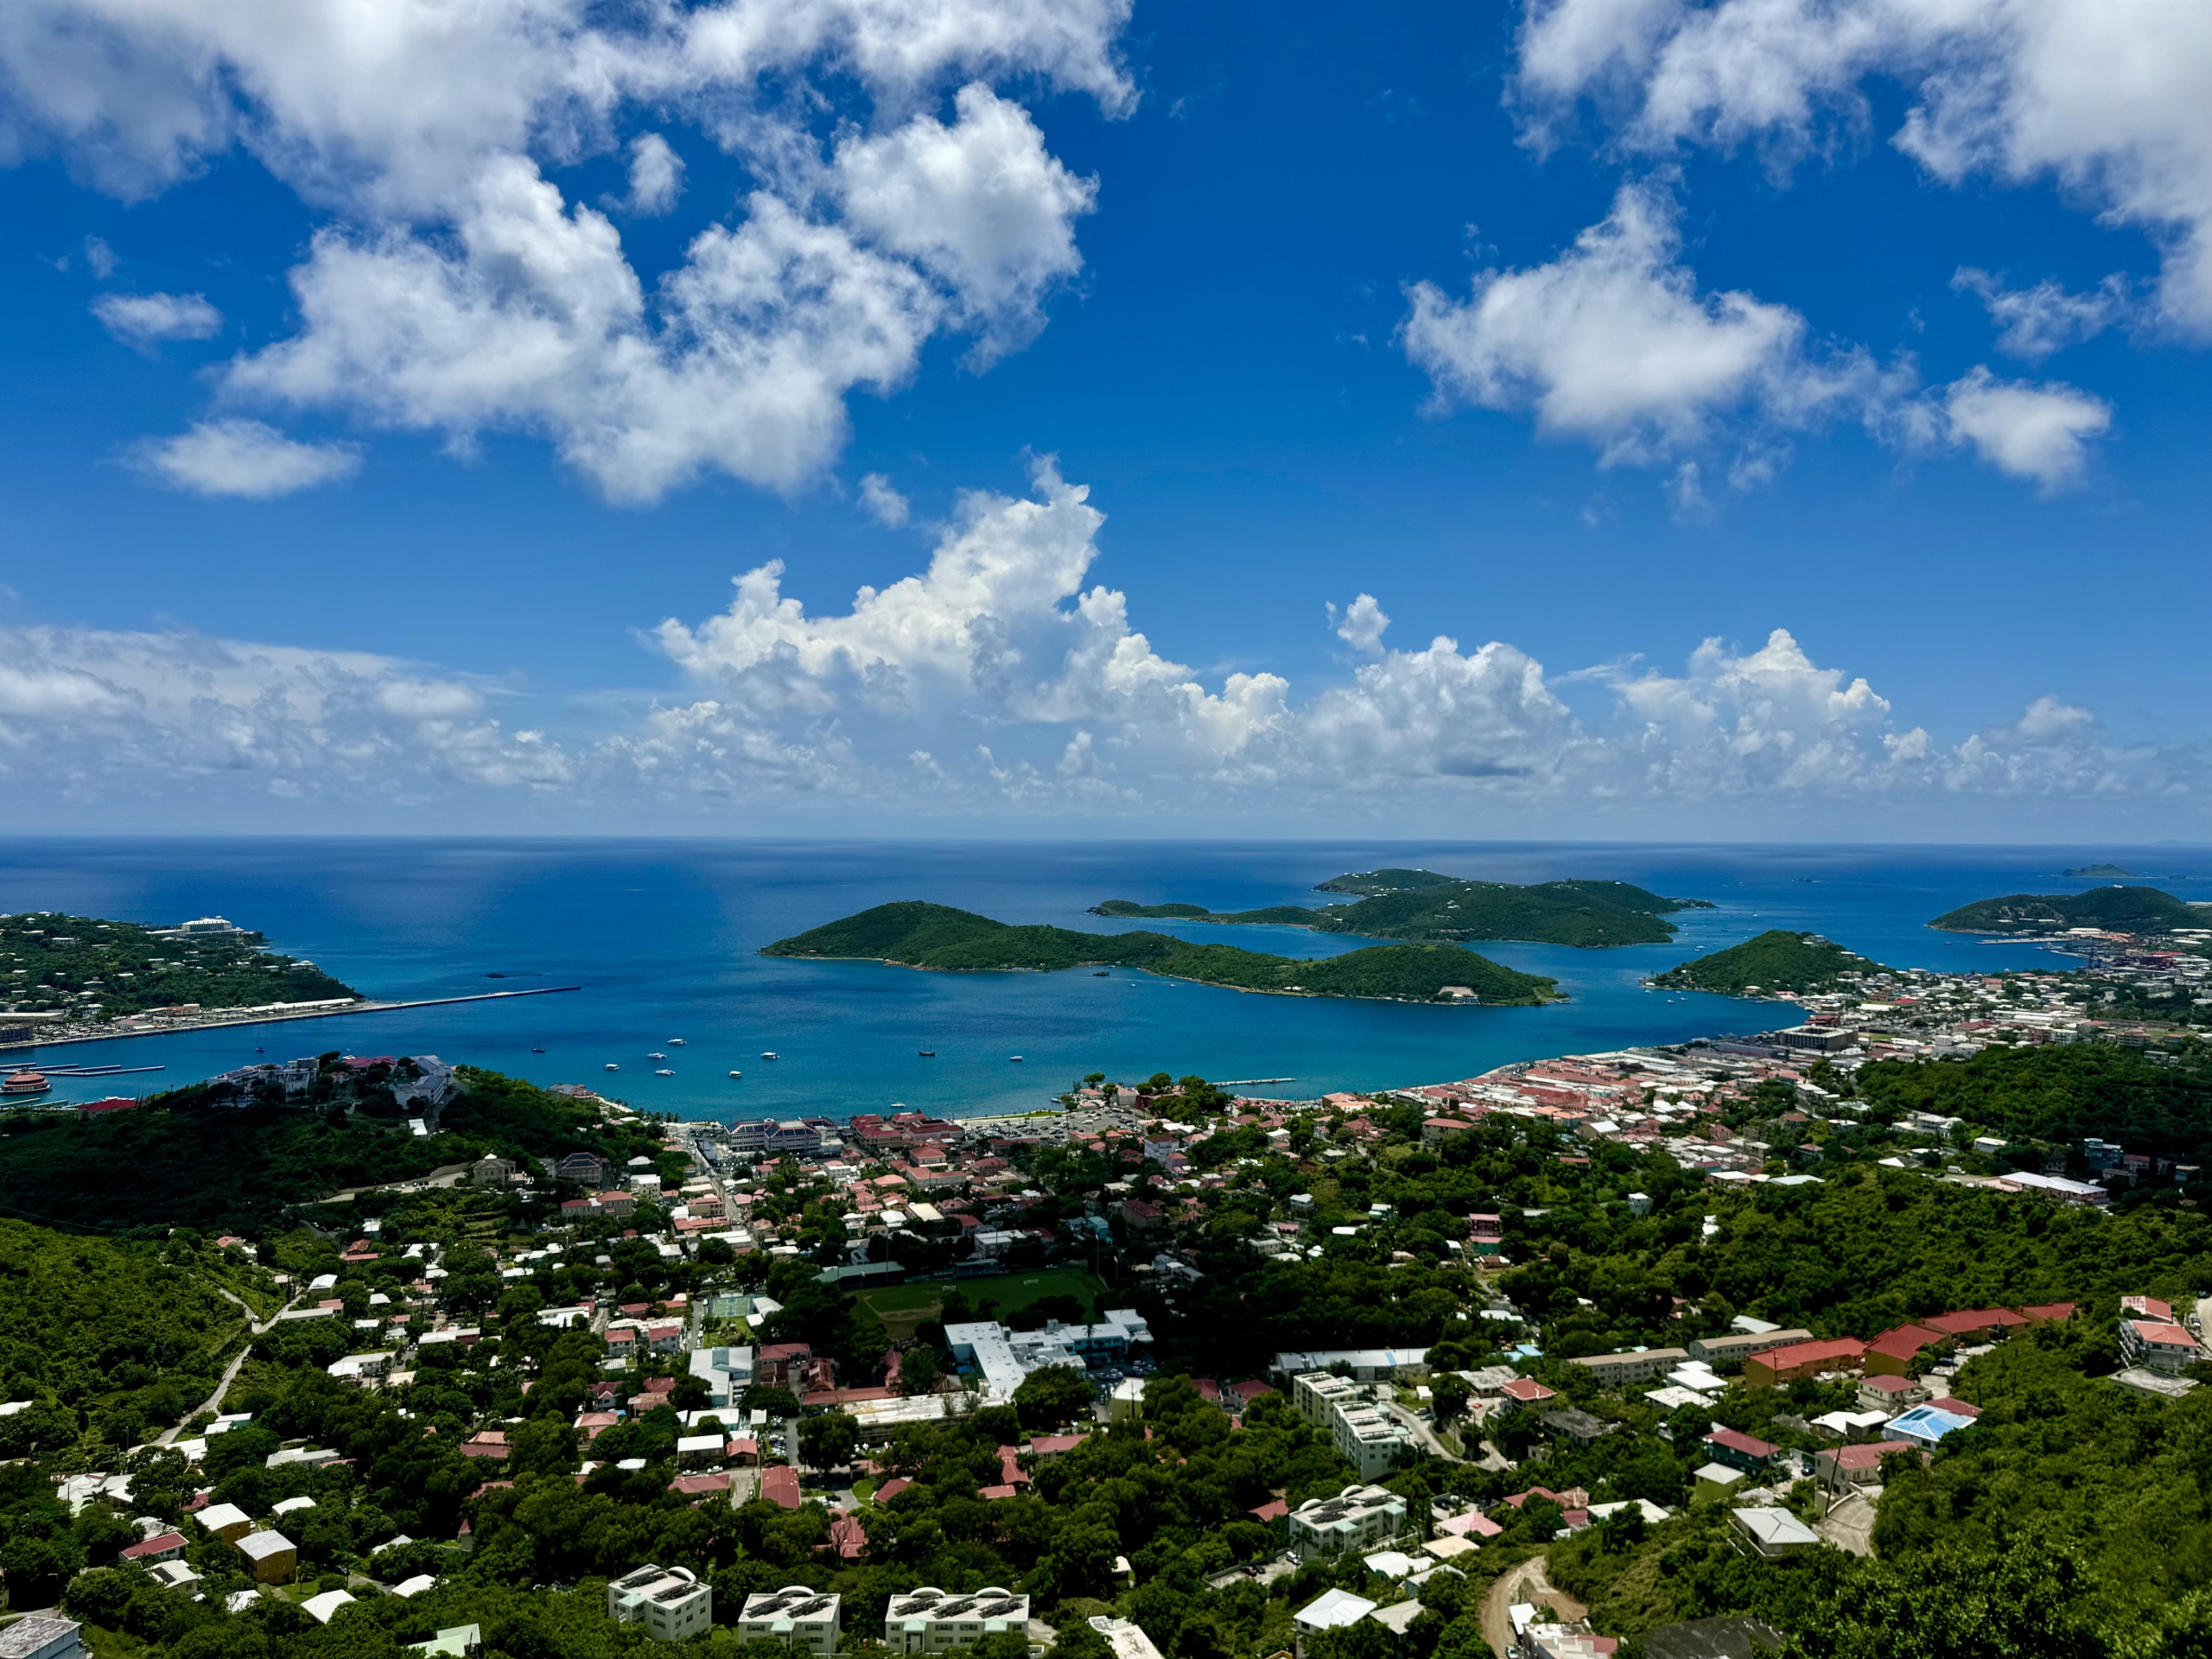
257, 1018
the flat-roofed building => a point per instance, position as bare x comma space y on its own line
1640, 1366
1125, 1637
42, 1636
1316, 1394
1369, 1439
1358, 1519
1738, 1345
795, 1615
669, 1602
929, 1620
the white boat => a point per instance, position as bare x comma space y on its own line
675, 1042
767, 1053
1014, 1058
737, 1074
611, 1067
663, 1072
656, 1055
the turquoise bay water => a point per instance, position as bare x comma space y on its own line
662, 935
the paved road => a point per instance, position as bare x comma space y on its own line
214, 1401
1424, 1436
1850, 1525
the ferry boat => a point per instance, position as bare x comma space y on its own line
25, 1082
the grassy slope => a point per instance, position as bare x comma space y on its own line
936, 936
2137, 909
1776, 961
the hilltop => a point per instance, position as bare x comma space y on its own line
1776, 962
919, 935
1421, 905
2125, 909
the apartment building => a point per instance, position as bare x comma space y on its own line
795, 1615
669, 1602
1358, 1519
929, 1621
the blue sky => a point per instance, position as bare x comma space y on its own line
393, 403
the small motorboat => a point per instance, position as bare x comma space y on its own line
611, 1067
656, 1055
1015, 1059
536, 1051
737, 1074
663, 1072
1101, 973
767, 1053
929, 1053
675, 1042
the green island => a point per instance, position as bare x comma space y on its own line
502, 1476
1421, 905
2098, 873
2123, 909
84, 965
916, 934
1775, 963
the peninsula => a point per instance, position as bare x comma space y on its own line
1777, 964
919, 934
1421, 905
2125, 909
80, 966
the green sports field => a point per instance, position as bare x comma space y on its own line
902, 1308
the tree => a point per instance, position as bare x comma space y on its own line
829, 1440
1052, 1396
1450, 1392
2023, 1602
919, 1370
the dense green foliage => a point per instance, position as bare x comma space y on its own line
2057, 1095
2129, 910
1776, 961
189, 1158
1421, 905
130, 1333
51, 960
936, 936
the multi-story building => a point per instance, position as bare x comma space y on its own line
929, 1621
1738, 1345
2162, 1347
1316, 1394
669, 1602
1367, 1439
1359, 1518
1618, 1370
796, 1616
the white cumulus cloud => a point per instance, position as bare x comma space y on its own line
2106, 97
451, 287
245, 458
1362, 624
2047, 318
2037, 432
883, 503
142, 320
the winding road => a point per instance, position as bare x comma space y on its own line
214, 1401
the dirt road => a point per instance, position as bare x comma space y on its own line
1526, 1583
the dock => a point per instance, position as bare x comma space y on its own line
259, 1017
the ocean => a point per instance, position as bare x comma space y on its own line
662, 937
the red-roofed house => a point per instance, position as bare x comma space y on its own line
991, 1494
1881, 1393
1740, 1450
1975, 1322
2162, 1347
1893, 1353
1779, 1365
779, 1485
163, 1547
2042, 1311
99, 1107
1845, 1467
1473, 1525
1248, 1391
1956, 1407
1010, 1467
847, 1536
892, 1488
697, 1487
2149, 1307
1052, 1445
1528, 1391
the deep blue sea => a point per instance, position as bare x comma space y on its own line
663, 935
